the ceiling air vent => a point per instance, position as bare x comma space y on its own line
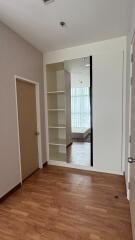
48, 1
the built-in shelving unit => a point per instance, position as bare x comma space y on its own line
57, 89
56, 92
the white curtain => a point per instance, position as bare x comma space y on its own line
80, 107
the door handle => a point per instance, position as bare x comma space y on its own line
37, 133
131, 160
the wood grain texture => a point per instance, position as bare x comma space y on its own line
27, 119
79, 153
65, 204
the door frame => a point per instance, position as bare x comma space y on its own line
130, 112
36, 84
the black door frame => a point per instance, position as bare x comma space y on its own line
91, 108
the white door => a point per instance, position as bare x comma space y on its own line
132, 149
107, 112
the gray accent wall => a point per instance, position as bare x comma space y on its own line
17, 57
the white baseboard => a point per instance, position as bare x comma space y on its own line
86, 168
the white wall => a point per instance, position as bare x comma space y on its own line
107, 111
109, 46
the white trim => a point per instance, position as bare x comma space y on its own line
38, 121
130, 112
25, 79
123, 114
18, 138
86, 168
129, 124
39, 127
46, 112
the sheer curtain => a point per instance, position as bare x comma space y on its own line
80, 107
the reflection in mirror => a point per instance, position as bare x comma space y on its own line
78, 114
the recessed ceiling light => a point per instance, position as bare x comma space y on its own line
48, 1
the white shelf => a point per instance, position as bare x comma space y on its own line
56, 96
56, 156
57, 142
59, 126
56, 109
56, 92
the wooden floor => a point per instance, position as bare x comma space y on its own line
79, 154
64, 204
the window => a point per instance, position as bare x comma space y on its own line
80, 107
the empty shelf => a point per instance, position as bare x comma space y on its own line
56, 156
57, 142
57, 126
56, 92
56, 109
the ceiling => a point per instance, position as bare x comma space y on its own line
87, 21
80, 72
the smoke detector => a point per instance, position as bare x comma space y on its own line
48, 1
